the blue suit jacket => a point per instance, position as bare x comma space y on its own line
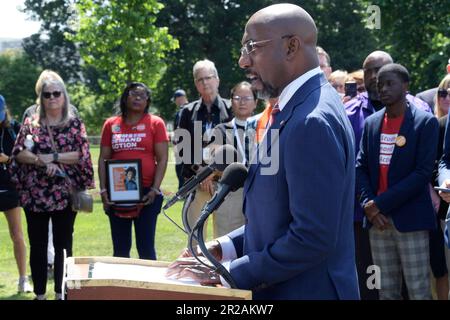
407, 199
298, 239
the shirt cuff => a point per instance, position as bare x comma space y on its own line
226, 265
228, 250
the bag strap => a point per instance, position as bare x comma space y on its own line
50, 133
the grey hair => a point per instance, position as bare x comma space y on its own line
66, 112
205, 64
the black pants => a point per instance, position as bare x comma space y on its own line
363, 260
179, 172
62, 222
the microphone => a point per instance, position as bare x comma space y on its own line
233, 178
223, 156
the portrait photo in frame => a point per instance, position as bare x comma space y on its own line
124, 180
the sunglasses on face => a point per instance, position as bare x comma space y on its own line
48, 95
443, 93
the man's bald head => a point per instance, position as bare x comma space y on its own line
287, 19
282, 40
382, 56
371, 65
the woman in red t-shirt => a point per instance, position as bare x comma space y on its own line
135, 134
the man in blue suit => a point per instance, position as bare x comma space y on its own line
393, 170
297, 242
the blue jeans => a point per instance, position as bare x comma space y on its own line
144, 227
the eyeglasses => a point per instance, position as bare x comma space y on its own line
243, 99
204, 79
251, 45
47, 95
139, 94
442, 93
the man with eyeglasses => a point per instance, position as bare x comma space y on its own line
297, 242
204, 114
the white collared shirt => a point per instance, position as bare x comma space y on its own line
292, 87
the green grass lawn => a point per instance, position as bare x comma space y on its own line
92, 237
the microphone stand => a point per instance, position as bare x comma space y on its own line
219, 268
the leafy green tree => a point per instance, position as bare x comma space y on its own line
417, 34
50, 48
120, 40
18, 81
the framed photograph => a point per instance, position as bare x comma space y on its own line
124, 180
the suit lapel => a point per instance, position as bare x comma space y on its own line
280, 122
378, 123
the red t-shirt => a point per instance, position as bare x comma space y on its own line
389, 133
135, 142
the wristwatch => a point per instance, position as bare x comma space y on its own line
55, 157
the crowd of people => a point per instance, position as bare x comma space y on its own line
360, 139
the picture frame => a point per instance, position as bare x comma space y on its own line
124, 180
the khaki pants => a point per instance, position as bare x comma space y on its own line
229, 215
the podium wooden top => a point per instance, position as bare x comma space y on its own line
79, 280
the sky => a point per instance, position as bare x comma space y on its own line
13, 23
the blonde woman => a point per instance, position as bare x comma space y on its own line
50, 157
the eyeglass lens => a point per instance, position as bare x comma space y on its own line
55, 94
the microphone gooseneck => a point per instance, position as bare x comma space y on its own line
233, 179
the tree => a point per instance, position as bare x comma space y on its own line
418, 38
17, 82
120, 39
50, 48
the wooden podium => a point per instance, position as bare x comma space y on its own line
110, 278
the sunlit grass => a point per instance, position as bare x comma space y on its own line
92, 237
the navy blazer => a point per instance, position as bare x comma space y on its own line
298, 240
407, 199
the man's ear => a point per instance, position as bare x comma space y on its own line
293, 46
405, 86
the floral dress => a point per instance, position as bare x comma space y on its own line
38, 192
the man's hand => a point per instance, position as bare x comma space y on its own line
207, 185
191, 268
380, 221
213, 247
445, 195
371, 209
374, 215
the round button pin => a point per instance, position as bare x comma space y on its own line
400, 141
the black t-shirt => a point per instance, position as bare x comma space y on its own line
7, 139
224, 134
197, 111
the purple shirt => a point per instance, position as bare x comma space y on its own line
358, 109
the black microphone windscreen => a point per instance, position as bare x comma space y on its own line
223, 156
234, 176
